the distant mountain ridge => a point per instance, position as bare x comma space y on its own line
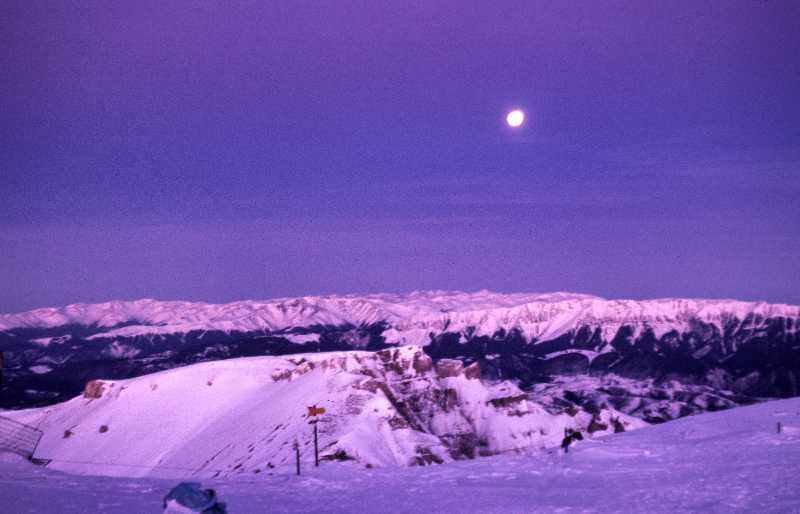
538, 316
721, 352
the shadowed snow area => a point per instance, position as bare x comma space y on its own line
731, 461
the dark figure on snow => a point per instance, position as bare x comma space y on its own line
188, 497
569, 437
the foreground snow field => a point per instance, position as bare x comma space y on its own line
731, 461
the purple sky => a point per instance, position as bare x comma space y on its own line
225, 150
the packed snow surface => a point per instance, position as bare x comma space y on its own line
410, 316
730, 461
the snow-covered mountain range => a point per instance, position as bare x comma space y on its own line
656, 359
410, 317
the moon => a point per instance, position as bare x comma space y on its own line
515, 118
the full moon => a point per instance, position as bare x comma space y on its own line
515, 118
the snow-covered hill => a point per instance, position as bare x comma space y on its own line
393, 407
732, 461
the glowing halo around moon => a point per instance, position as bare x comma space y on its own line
515, 118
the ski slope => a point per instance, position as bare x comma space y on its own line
730, 461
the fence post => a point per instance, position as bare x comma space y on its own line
316, 447
297, 456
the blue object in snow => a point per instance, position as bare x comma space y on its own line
191, 497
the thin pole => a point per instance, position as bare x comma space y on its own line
316, 447
297, 456
779, 427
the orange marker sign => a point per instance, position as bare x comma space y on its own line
314, 410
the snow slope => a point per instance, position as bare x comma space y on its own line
410, 317
731, 461
242, 416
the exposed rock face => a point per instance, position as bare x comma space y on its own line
449, 368
618, 426
422, 362
465, 416
505, 401
472, 371
596, 426
94, 389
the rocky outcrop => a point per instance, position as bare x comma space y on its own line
466, 416
94, 389
422, 362
595, 425
473, 371
449, 368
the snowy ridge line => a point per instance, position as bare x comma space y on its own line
410, 316
255, 314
